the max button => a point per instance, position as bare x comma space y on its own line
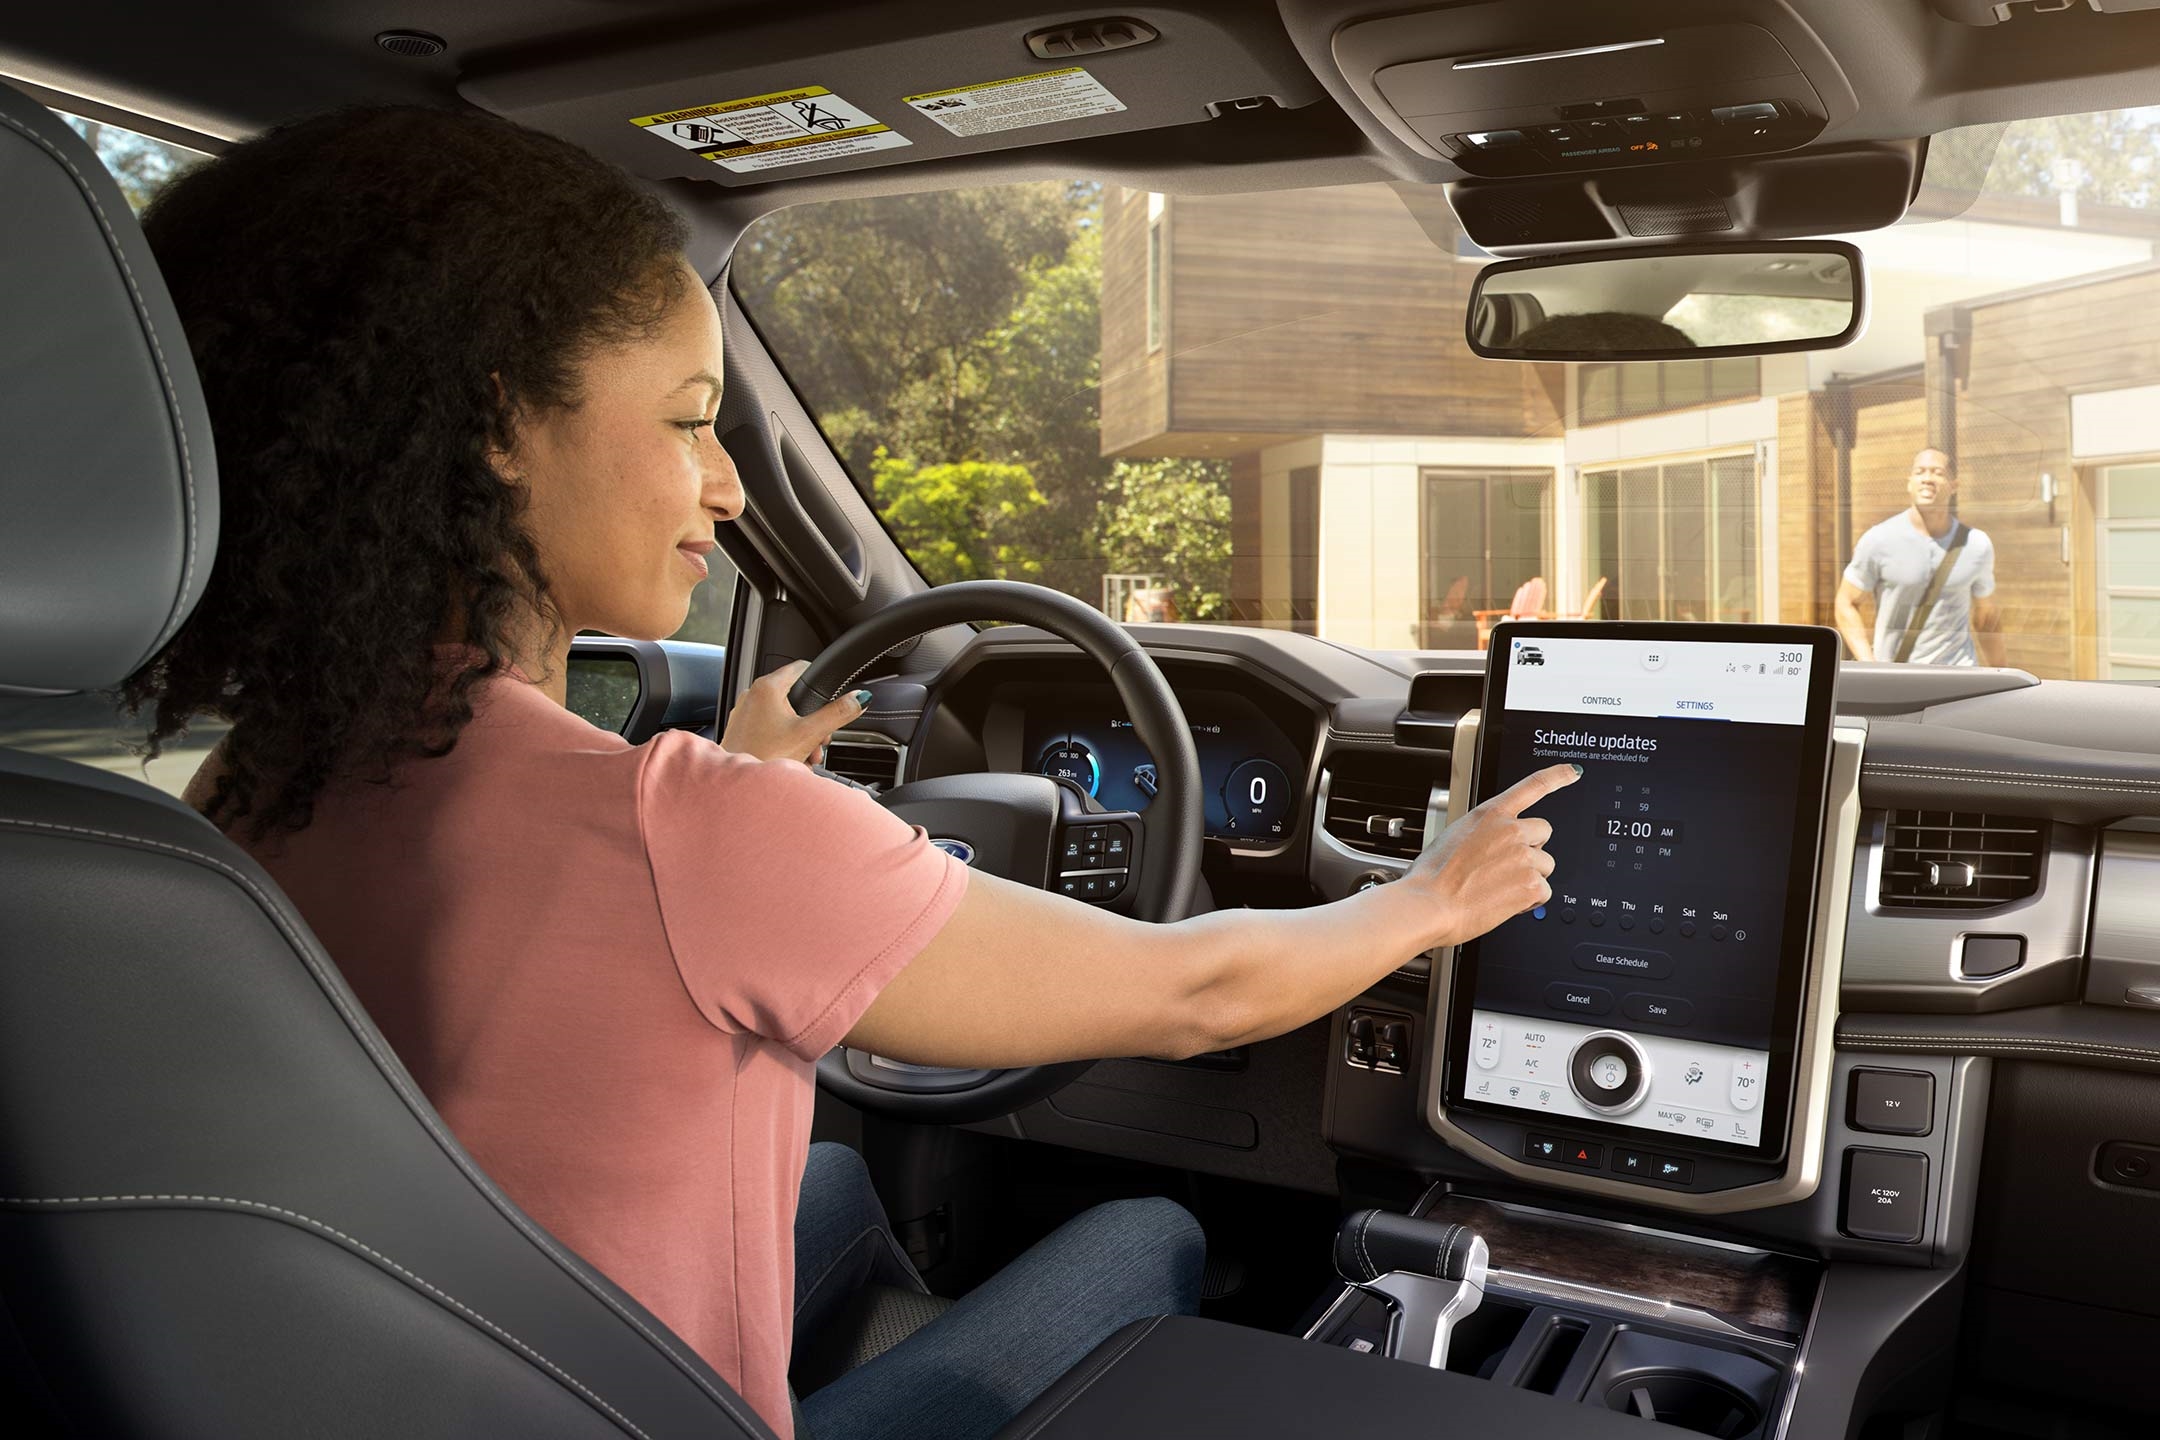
1623, 960
1582, 999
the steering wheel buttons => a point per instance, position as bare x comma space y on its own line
1113, 884
1117, 843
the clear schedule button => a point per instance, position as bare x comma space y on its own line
1623, 960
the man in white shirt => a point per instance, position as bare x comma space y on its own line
1932, 576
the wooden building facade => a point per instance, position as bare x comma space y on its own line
1387, 484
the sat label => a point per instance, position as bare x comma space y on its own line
767, 132
1040, 99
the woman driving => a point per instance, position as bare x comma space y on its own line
464, 382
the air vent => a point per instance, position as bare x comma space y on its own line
412, 44
875, 763
1960, 860
1377, 807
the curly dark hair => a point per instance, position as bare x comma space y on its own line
373, 298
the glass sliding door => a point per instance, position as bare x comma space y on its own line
1678, 540
1483, 534
2129, 554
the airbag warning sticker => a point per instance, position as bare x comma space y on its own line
766, 132
994, 105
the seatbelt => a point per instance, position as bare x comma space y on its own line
1926, 607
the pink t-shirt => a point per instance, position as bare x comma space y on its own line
612, 969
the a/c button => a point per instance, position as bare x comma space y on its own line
1582, 999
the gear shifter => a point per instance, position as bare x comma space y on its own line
1431, 1275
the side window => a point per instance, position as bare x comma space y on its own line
712, 604
142, 164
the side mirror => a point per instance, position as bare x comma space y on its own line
1689, 302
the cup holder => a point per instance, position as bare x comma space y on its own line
1702, 1389
1694, 1403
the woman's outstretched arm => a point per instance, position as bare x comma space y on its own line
1018, 976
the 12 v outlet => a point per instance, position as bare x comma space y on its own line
2125, 1162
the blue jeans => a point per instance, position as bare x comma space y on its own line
973, 1368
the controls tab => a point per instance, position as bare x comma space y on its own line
1893, 1102
1885, 1196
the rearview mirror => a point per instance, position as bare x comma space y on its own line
1670, 303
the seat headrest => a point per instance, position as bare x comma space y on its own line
108, 487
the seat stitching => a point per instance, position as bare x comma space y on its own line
1963, 778
157, 351
2014, 1041
371, 1252
1101, 1369
2014, 774
393, 1075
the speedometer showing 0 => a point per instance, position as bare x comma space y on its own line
1256, 800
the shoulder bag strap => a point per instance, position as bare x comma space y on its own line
1926, 606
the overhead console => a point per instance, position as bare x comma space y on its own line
1659, 1028
1503, 89
1579, 124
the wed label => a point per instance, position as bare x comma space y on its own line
767, 132
994, 105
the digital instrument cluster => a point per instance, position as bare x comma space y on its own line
1247, 765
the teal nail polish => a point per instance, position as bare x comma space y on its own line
861, 699
1576, 768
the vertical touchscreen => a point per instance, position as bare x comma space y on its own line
1657, 990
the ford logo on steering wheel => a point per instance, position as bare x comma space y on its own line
959, 849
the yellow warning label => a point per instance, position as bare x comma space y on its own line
766, 132
1043, 98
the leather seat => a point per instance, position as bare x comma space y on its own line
225, 1208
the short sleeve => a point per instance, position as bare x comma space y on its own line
1865, 571
1983, 563
789, 901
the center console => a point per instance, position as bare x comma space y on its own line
1659, 1030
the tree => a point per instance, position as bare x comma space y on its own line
142, 166
1171, 518
960, 521
964, 329
2108, 156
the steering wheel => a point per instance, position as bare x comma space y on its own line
1026, 828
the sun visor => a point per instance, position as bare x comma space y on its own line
827, 92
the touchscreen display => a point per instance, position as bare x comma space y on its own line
1657, 992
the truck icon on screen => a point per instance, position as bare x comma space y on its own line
1530, 655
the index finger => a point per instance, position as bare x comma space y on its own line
1534, 787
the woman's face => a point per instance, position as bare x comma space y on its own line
623, 490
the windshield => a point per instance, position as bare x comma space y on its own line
1258, 409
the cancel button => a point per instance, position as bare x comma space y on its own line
1583, 999
1623, 960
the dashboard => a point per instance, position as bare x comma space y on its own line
1249, 768
1982, 926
